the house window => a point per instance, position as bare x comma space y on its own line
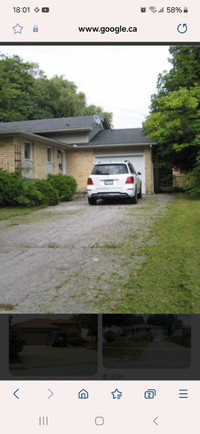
50, 155
28, 151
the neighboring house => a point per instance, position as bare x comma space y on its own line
35, 331
71, 146
138, 330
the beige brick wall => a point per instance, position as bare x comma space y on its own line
148, 169
79, 164
7, 158
39, 160
40, 165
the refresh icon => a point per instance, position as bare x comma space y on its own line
182, 28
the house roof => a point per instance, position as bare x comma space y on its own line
52, 125
145, 327
126, 136
99, 135
43, 323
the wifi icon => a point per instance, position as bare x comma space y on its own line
153, 9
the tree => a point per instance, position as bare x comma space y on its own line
170, 322
174, 120
87, 321
185, 71
26, 93
175, 125
126, 320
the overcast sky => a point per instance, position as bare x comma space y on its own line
119, 79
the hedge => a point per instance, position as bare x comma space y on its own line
64, 184
18, 191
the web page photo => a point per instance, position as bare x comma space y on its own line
99, 158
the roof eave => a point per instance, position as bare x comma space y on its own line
68, 130
37, 137
114, 145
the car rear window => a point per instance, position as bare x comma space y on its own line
109, 169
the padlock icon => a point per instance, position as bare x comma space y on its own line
35, 28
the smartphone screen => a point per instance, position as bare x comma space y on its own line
99, 217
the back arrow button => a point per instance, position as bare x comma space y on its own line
15, 393
155, 421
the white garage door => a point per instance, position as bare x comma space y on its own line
136, 160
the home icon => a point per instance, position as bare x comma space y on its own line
83, 394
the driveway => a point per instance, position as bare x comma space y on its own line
43, 360
164, 355
66, 258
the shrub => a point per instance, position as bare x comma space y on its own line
194, 177
28, 195
9, 187
17, 191
49, 192
64, 184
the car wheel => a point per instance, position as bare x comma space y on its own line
92, 201
140, 193
134, 198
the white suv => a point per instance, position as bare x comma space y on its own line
110, 180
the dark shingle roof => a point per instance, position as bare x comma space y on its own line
121, 136
48, 125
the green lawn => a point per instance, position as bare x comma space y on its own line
123, 348
7, 213
169, 279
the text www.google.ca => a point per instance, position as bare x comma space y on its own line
102, 30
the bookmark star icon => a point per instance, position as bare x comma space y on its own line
17, 29
116, 394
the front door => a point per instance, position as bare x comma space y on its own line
50, 160
63, 162
28, 159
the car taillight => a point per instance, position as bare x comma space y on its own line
130, 180
89, 181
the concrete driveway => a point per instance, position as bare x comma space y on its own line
63, 258
43, 360
164, 355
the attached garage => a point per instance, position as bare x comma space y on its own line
136, 159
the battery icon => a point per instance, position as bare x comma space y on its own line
45, 10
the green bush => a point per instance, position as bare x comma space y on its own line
9, 187
64, 184
17, 191
194, 177
28, 195
49, 192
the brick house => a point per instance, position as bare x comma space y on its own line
71, 146
36, 330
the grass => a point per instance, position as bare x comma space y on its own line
7, 213
53, 246
121, 349
169, 279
